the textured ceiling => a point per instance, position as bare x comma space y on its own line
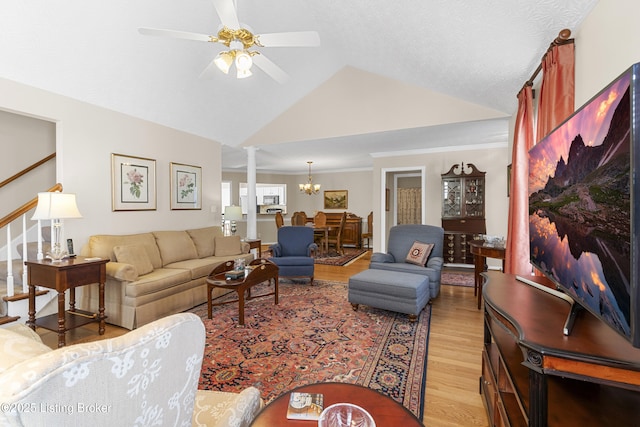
479, 52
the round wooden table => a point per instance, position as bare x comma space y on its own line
481, 251
385, 411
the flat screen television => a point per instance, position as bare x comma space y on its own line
584, 205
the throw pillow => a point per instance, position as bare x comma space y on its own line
204, 239
135, 255
228, 245
175, 246
419, 253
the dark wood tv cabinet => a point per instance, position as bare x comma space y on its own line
534, 375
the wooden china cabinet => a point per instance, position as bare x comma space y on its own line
463, 207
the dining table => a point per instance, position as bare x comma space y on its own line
324, 231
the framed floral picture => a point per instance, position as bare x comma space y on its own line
186, 186
133, 183
336, 199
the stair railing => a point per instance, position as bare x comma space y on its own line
6, 222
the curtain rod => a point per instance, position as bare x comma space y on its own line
563, 38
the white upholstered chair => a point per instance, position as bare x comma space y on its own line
148, 376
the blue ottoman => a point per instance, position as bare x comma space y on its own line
390, 290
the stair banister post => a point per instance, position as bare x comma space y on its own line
25, 286
40, 255
10, 291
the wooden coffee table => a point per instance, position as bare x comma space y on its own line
262, 271
385, 411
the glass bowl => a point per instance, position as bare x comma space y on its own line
345, 415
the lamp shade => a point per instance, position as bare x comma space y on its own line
233, 213
223, 61
56, 206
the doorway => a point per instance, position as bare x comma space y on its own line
391, 180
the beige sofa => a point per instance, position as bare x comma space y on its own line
145, 377
151, 275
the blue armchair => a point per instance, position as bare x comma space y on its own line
293, 254
401, 238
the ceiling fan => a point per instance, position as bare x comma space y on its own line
242, 44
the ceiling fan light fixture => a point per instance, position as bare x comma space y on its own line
243, 60
223, 61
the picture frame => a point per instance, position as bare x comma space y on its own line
133, 183
336, 199
186, 186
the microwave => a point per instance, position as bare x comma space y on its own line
270, 200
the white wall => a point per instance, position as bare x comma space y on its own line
29, 140
86, 137
606, 45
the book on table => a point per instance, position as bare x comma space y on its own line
305, 406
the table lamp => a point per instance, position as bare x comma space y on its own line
233, 214
56, 206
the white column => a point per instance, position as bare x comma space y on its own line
252, 228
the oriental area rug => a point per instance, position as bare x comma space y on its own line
313, 335
457, 278
334, 258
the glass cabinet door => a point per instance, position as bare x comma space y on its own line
452, 198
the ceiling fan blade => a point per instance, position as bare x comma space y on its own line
174, 34
270, 68
227, 12
290, 39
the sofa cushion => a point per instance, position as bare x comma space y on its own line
175, 246
19, 343
204, 239
419, 253
101, 245
228, 245
156, 281
135, 255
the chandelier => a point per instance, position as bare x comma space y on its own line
309, 188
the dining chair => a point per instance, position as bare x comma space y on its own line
335, 236
299, 218
319, 221
369, 234
279, 220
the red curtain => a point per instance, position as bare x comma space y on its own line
556, 101
517, 245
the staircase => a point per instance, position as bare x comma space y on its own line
14, 301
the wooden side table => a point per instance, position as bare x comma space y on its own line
62, 276
255, 244
481, 251
384, 410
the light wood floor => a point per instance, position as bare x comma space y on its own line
454, 357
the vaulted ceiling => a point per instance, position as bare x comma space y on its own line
388, 76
